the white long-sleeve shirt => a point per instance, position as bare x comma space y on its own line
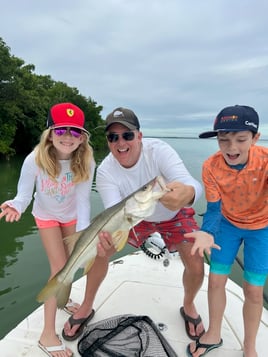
60, 200
115, 182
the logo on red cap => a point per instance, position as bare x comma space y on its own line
70, 112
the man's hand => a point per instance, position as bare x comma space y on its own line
203, 242
180, 195
10, 213
105, 247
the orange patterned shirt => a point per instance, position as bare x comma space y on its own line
243, 193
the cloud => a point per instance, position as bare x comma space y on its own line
175, 63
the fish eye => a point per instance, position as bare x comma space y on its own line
145, 187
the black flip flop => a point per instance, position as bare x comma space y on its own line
82, 322
195, 322
208, 347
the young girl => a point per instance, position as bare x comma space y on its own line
61, 169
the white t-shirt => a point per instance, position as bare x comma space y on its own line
59, 200
114, 182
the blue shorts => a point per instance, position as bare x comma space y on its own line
230, 238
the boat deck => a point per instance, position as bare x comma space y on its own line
139, 285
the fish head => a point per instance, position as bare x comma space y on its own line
142, 203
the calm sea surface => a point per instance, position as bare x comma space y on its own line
23, 263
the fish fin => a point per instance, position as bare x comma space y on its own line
88, 266
55, 288
120, 238
70, 241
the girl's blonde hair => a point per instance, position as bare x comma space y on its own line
46, 158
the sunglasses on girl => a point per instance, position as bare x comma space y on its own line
75, 132
114, 137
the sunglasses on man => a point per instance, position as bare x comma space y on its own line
114, 137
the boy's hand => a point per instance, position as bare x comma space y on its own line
10, 213
203, 242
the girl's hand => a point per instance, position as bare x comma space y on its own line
203, 242
10, 213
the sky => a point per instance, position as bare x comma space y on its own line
175, 63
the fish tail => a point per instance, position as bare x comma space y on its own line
57, 289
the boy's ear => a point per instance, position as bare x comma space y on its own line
256, 138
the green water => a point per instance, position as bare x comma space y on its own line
23, 263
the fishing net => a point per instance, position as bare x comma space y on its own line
124, 336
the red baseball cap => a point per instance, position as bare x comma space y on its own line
66, 115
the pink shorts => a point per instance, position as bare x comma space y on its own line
172, 231
51, 223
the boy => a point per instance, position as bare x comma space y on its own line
236, 187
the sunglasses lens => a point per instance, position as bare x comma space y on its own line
127, 135
112, 138
60, 131
75, 132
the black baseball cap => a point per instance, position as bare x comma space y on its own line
234, 118
123, 116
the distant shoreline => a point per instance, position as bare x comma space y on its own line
186, 137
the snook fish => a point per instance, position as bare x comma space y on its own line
118, 220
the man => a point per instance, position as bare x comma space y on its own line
132, 162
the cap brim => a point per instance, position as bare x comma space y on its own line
122, 122
68, 126
208, 134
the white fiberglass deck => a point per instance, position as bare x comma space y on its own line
136, 284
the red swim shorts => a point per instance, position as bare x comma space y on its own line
172, 231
